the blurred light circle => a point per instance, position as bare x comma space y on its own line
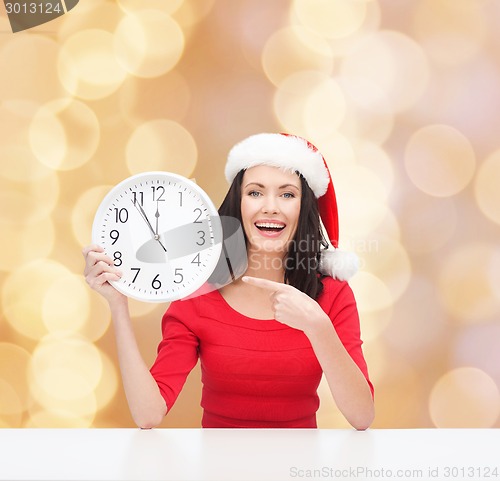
99, 318
371, 23
393, 62
372, 293
148, 43
486, 187
388, 260
369, 116
331, 19
293, 49
161, 145
108, 384
291, 98
87, 66
29, 202
66, 366
14, 389
377, 160
324, 109
84, 210
361, 198
427, 222
439, 160
477, 345
451, 32
464, 283
465, 397
22, 59
192, 12
22, 244
18, 162
23, 294
164, 6
66, 304
101, 15
64, 134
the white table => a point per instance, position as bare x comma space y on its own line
215, 454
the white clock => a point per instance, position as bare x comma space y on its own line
163, 232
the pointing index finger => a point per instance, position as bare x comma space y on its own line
264, 283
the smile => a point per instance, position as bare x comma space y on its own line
270, 229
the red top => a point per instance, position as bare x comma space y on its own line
255, 373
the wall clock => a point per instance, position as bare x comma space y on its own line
164, 233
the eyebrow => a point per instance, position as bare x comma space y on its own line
262, 186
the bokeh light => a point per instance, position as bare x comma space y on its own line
294, 49
64, 134
331, 19
161, 145
486, 187
440, 160
65, 367
87, 66
28, 202
14, 387
464, 283
22, 301
465, 397
450, 32
393, 62
148, 43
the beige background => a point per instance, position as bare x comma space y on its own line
402, 98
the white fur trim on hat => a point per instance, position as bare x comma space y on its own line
339, 264
278, 150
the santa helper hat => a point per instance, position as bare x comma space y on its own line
294, 153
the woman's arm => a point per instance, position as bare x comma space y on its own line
146, 404
347, 383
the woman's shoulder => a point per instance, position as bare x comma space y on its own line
193, 306
334, 291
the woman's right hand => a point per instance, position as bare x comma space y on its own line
99, 269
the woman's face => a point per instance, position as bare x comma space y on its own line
270, 207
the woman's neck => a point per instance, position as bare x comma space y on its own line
268, 265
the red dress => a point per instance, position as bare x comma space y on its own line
255, 373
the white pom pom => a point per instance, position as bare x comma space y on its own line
339, 264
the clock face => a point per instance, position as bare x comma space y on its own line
163, 232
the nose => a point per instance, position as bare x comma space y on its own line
270, 205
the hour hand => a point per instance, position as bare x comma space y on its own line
145, 217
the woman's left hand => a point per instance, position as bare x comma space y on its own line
291, 306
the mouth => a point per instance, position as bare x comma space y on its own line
274, 227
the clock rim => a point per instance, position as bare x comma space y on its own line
102, 208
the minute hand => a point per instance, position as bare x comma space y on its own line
145, 217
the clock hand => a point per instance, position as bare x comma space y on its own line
145, 217
157, 215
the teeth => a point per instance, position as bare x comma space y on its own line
269, 225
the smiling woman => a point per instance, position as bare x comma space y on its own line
266, 338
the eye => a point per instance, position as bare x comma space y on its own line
254, 193
288, 195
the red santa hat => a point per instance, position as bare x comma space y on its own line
296, 154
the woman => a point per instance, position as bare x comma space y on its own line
264, 339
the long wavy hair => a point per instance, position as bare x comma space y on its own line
301, 261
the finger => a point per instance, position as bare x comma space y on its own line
264, 283
90, 248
